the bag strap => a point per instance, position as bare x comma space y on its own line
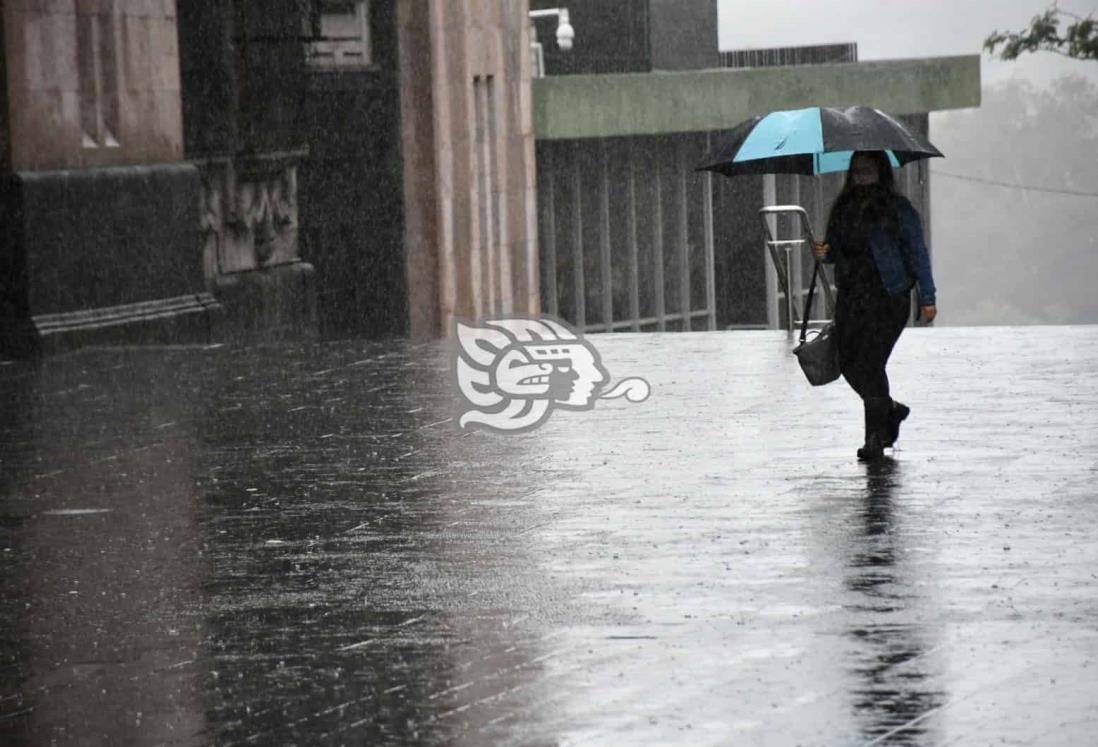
808, 301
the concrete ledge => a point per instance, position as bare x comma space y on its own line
117, 316
579, 106
101, 256
193, 318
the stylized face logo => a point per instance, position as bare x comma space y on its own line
513, 370
567, 372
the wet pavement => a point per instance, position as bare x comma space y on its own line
295, 545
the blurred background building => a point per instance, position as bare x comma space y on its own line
631, 237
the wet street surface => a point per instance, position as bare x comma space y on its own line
296, 545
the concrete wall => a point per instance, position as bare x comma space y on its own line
469, 185
352, 206
683, 34
242, 70
739, 260
611, 37
632, 36
243, 86
577, 106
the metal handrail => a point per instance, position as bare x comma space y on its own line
784, 269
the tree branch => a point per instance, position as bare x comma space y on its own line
1043, 35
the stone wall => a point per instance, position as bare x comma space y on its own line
683, 34
243, 88
351, 184
471, 236
91, 83
99, 219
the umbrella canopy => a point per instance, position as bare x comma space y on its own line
816, 140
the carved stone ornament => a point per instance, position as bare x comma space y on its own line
249, 213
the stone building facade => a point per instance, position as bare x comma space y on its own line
231, 170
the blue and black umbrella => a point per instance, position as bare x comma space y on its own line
817, 140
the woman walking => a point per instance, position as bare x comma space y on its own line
875, 239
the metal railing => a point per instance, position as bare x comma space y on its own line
626, 234
784, 255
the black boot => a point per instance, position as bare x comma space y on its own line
896, 415
876, 428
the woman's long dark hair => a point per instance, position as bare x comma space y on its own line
879, 158
882, 198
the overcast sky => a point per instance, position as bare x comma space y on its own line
885, 29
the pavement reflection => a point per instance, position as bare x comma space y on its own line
896, 690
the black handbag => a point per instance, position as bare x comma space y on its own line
818, 356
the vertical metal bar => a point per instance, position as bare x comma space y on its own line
604, 241
657, 239
819, 220
924, 194
796, 255
684, 231
631, 235
818, 230
924, 204
549, 209
773, 315
577, 246
787, 270
710, 260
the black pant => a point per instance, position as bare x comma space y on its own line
867, 326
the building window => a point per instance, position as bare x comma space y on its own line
341, 35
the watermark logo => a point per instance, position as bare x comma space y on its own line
512, 373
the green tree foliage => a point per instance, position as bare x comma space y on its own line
1079, 40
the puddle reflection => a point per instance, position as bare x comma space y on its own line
895, 688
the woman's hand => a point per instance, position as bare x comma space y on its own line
929, 312
820, 250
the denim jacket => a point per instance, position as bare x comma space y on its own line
903, 263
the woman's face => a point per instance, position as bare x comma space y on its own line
863, 170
